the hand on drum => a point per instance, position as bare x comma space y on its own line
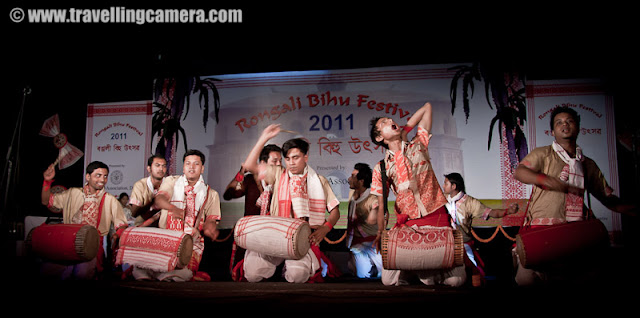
377, 243
210, 230
178, 213
318, 235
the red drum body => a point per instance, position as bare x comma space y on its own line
273, 235
154, 248
545, 245
408, 248
66, 243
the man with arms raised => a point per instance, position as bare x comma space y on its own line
420, 202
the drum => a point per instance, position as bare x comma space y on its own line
543, 245
408, 248
154, 248
65, 243
273, 235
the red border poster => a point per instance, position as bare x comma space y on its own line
119, 134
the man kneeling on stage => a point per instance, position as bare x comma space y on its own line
298, 192
190, 206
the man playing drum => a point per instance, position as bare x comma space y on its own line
250, 187
256, 197
560, 174
188, 205
298, 192
144, 190
90, 205
420, 202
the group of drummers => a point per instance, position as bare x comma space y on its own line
289, 209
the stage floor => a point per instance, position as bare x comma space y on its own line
615, 290
323, 298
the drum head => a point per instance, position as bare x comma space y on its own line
87, 242
301, 242
384, 246
185, 251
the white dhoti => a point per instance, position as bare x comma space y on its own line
258, 266
453, 277
176, 275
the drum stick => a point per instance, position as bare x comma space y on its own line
290, 131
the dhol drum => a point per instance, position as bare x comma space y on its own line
64, 243
408, 248
543, 245
274, 236
154, 248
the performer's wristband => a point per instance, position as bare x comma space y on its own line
239, 176
46, 184
407, 128
329, 225
540, 178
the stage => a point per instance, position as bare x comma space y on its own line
612, 291
116, 62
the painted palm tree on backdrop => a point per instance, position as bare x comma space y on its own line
505, 91
171, 101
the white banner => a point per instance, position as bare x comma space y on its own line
118, 134
332, 110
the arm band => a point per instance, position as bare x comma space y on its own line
46, 185
540, 180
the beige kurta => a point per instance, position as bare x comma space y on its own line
211, 206
141, 194
548, 207
362, 210
467, 208
72, 200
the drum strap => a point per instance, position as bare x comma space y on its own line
100, 210
206, 198
589, 213
385, 188
101, 253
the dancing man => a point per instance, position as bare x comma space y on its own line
420, 202
560, 173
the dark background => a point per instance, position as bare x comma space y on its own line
68, 66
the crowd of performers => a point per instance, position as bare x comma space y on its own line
560, 174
